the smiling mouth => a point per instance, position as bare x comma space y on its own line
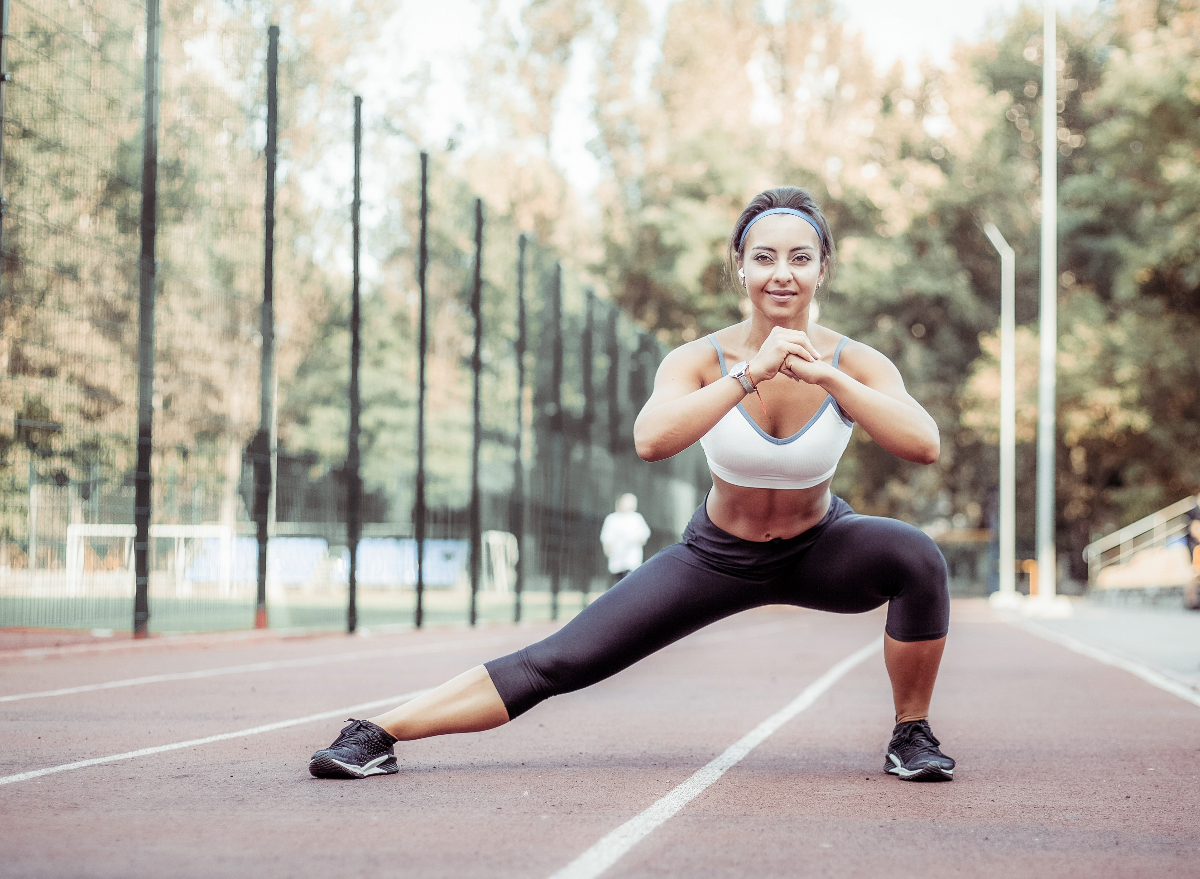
780, 295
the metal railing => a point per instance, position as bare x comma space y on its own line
1152, 532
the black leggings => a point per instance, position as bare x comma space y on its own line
846, 563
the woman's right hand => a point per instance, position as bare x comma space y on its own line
775, 350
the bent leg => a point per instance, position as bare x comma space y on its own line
913, 668
669, 597
860, 562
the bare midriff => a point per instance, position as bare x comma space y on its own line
762, 514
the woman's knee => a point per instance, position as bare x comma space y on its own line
920, 608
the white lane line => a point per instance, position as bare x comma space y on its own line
1145, 672
207, 740
612, 847
326, 659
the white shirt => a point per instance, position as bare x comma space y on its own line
623, 536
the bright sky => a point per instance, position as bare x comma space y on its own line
929, 28
909, 31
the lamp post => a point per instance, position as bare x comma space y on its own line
1006, 595
1048, 603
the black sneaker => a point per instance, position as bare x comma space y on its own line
361, 749
913, 754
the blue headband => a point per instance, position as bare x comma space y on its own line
793, 212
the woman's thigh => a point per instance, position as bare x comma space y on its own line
670, 596
860, 562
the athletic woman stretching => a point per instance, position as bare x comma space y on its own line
769, 532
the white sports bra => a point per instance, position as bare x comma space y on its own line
742, 453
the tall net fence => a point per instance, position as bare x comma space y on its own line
555, 426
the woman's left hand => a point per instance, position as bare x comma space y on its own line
801, 370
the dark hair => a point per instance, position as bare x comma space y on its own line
782, 197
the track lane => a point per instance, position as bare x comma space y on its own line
1049, 742
1054, 779
208, 740
463, 806
20, 675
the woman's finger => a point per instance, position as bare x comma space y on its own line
799, 350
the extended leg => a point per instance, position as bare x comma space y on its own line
467, 703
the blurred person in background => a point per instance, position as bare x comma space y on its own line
623, 535
769, 531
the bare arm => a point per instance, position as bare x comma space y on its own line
682, 408
870, 390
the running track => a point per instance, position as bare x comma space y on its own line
753, 748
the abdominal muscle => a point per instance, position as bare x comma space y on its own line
762, 514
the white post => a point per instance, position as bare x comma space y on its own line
1048, 602
33, 524
1007, 595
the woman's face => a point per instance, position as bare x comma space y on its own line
782, 263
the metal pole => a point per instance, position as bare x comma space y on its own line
613, 381
148, 282
556, 377
1048, 331
422, 348
5, 76
1007, 594
476, 425
518, 524
32, 514
260, 446
353, 460
586, 501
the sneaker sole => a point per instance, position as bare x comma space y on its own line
324, 766
925, 773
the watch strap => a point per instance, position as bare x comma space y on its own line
739, 372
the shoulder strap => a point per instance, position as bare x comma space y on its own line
721, 354
837, 355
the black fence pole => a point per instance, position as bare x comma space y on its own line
148, 283
587, 503
353, 460
4, 78
260, 446
613, 381
476, 417
422, 348
518, 514
558, 516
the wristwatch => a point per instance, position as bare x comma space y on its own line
741, 371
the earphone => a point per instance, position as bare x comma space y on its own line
742, 278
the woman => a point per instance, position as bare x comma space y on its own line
769, 532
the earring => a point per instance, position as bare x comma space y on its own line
742, 276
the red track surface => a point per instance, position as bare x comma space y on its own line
1066, 767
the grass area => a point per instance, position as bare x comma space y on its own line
375, 609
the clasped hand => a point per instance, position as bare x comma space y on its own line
789, 353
